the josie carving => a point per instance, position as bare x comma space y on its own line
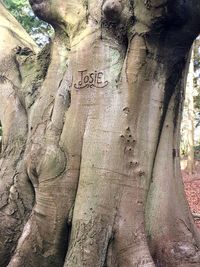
90, 80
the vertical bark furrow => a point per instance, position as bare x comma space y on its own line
174, 244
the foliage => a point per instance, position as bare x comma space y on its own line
21, 10
197, 152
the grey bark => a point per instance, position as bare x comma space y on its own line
101, 109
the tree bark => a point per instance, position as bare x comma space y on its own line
16, 194
101, 110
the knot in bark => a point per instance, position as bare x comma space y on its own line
112, 9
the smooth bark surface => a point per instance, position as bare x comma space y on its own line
97, 167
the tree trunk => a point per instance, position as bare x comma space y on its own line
99, 112
16, 193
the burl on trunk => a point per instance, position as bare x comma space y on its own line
90, 171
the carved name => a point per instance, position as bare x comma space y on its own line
90, 80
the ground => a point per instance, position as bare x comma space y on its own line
192, 189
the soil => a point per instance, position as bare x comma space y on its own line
192, 190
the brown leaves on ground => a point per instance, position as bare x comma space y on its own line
192, 189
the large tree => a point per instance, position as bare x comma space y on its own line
90, 167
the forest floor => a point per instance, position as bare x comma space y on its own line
192, 189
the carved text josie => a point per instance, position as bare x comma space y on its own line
90, 80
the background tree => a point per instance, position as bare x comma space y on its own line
188, 122
197, 93
97, 167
